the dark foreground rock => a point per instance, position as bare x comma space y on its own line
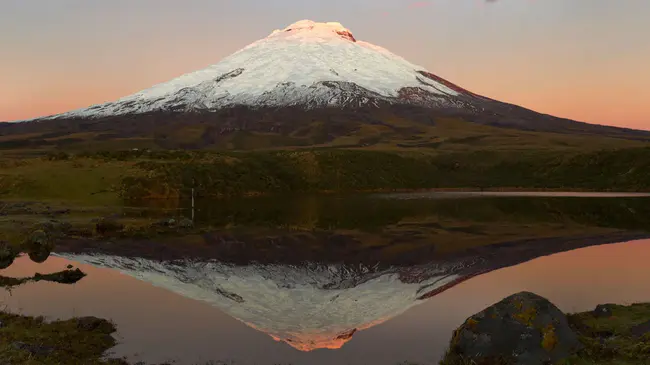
523, 329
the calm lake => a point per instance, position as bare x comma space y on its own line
373, 279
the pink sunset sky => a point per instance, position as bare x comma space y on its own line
581, 59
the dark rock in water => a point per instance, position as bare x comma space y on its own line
8, 254
523, 329
69, 267
36, 350
95, 324
186, 223
108, 225
603, 310
641, 329
62, 277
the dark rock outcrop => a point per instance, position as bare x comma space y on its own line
603, 311
107, 226
523, 329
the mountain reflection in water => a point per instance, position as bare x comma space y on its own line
312, 306
319, 280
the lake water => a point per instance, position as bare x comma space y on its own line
344, 280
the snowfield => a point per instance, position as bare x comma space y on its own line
308, 63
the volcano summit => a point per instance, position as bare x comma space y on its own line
307, 64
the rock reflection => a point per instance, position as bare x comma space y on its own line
38, 251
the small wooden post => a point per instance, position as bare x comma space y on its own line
192, 204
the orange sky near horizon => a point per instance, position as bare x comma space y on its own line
586, 60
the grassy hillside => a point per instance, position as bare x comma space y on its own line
241, 129
358, 170
107, 178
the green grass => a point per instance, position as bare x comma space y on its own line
33, 341
79, 181
608, 340
361, 170
480, 162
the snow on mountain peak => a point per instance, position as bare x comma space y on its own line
310, 28
307, 64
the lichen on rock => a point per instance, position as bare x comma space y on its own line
521, 329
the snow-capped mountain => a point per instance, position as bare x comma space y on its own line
307, 72
308, 64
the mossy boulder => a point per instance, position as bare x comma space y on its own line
38, 238
521, 329
38, 245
